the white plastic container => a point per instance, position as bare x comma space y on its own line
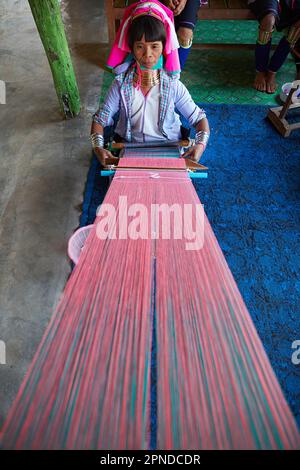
285, 89
77, 241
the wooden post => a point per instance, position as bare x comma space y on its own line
288, 102
47, 16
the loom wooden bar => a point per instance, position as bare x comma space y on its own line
122, 145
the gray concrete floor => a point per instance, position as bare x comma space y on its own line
43, 166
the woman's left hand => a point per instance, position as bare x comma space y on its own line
194, 153
170, 4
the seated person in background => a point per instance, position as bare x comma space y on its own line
284, 14
147, 89
185, 17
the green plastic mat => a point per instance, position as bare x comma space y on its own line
224, 75
228, 32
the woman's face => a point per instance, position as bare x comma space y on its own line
147, 53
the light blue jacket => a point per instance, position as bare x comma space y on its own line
173, 95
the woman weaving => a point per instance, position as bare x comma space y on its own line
147, 89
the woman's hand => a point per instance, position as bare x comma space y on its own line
170, 4
179, 6
194, 153
102, 154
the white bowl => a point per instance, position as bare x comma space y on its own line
77, 241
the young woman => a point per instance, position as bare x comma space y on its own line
147, 89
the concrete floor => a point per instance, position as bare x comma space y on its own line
43, 166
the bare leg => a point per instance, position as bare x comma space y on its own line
262, 51
185, 39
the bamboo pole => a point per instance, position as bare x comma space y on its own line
47, 16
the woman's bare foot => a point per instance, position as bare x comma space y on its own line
260, 82
271, 83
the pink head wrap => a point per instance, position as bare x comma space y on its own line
120, 49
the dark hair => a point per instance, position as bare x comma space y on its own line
147, 25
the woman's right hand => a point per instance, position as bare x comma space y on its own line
102, 155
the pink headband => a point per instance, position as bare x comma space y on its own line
120, 49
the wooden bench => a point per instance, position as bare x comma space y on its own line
214, 10
225, 10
